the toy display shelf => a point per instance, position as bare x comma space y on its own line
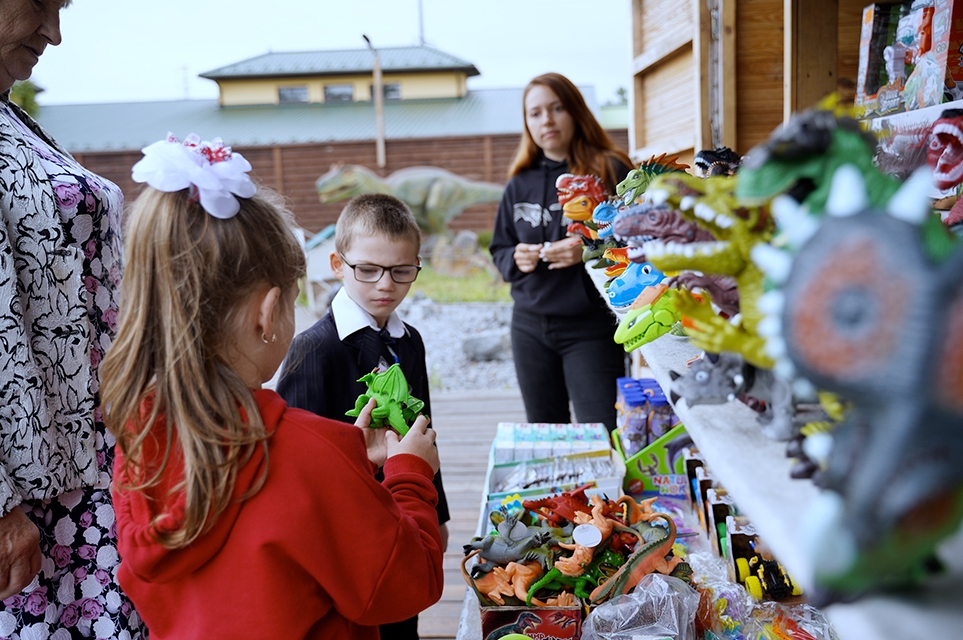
755, 471
908, 120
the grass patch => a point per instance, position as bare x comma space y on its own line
475, 287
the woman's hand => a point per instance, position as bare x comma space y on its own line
563, 253
419, 441
19, 552
374, 439
527, 256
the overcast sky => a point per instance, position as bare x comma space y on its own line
135, 50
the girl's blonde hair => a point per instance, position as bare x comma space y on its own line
186, 277
591, 150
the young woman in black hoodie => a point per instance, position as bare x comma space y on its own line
561, 329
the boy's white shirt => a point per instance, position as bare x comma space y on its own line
350, 317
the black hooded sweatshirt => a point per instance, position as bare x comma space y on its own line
529, 212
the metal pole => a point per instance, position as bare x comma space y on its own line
421, 25
379, 106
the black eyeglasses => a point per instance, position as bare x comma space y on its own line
402, 274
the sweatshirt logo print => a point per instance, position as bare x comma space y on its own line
533, 214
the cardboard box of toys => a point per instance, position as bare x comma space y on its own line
547, 623
533, 479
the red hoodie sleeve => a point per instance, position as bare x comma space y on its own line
375, 549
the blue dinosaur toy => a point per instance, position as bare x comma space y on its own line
603, 216
624, 289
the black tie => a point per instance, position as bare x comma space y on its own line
386, 337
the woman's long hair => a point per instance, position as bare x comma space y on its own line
591, 150
165, 379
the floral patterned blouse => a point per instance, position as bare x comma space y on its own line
76, 594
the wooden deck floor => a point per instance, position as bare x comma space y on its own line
466, 426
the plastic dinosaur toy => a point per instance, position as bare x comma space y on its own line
579, 195
642, 223
721, 161
558, 509
604, 215
637, 181
619, 259
800, 159
648, 558
396, 407
646, 222
738, 231
434, 195
724, 377
626, 287
606, 562
867, 314
512, 542
651, 316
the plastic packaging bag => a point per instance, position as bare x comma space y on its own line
660, 606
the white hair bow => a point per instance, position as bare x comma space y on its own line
214, 173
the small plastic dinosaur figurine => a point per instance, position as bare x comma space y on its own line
396, 407
513, 542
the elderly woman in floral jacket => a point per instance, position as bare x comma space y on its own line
60, 267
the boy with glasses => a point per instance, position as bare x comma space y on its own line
376, 256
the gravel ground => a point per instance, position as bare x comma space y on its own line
445, 327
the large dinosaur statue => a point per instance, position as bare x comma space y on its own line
434, 195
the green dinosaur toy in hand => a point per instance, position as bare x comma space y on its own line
396, 408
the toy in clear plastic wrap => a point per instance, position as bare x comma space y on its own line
869, 315
661, 607
397, 408
721, 161
764, 577
650, 316
631, 190
738, 231
625, 288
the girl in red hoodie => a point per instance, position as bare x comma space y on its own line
237, 516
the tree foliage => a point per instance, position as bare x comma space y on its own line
25, 95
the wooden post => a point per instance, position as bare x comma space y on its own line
810, 53
701, 41
727, 81
379, 107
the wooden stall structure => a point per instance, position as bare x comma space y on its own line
710, 73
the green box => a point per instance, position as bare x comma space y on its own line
658, 469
